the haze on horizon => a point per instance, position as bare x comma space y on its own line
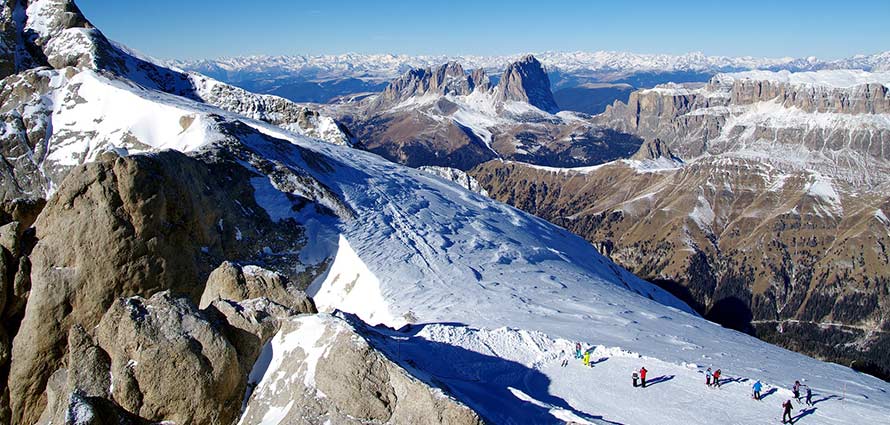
200, 29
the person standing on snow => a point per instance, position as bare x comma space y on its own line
809, 396
716, 380
787, 412
757, 387
635, 378
565, 360
708, 376
643, 376
587, 358
796, 390
577, 350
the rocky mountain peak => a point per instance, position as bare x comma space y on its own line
449, 78
480, 80
526, 81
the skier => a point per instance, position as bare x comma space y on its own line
586, 358
708, 376
717, 378
809, 396
796, 390
757, 387
565, 360
635, 378
643, 376
577, 350
787, 412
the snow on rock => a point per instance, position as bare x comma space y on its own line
822, 188
463, 179
381, 67
291, 356
322, 369
836, 78
703, 214
116, 114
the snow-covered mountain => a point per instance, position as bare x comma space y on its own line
162, 280
322, 78
446, 116
835, 122
387, 66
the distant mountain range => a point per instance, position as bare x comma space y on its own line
304, 78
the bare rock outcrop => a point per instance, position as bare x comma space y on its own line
163, 359
157, 345
123, 227
447, 79
234, 282
526, 81
324, 355
654, 149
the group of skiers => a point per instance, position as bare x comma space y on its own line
582, 354
712, 380
787, 407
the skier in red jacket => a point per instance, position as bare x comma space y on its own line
643, 376
786, 412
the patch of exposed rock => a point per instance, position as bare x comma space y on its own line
320, 369
133, 226
234, 282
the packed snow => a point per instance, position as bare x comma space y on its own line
839, 78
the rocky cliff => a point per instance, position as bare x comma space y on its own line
526, 81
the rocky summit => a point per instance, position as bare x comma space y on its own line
526, 81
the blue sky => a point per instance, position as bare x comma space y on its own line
214, 28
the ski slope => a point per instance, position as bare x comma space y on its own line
494, 295
428, 252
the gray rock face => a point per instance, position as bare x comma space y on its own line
16, 241
654, 149
130, 226
162, 359
231, 281
446, 79
480, 80
322, 354
835, 130
526, 81
159, 344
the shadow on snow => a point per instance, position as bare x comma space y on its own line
490, 385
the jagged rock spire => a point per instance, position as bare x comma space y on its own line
526, 81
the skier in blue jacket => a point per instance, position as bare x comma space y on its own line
757, 388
